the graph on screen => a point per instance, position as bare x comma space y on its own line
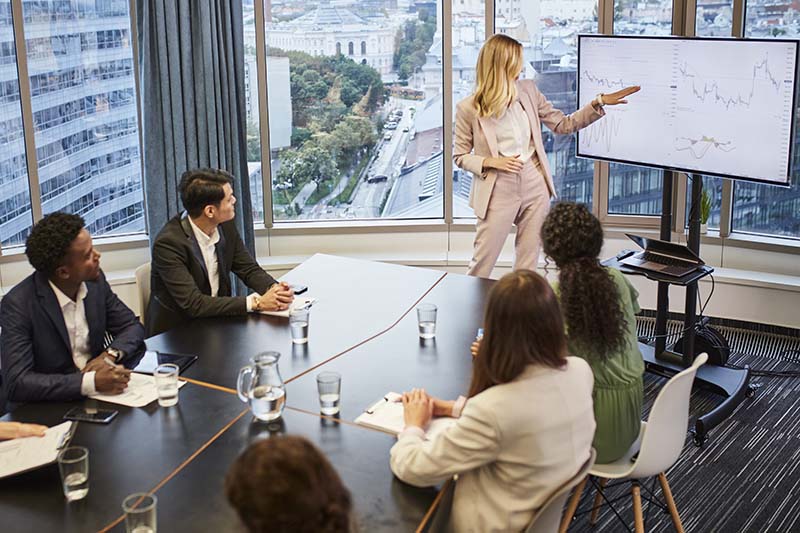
721, 107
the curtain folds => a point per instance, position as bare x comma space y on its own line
191, 61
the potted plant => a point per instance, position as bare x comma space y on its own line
705, 211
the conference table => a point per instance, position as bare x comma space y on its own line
363, 325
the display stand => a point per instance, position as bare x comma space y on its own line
732, 384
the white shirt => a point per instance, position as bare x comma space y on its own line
208, 247
514, 133
78, 330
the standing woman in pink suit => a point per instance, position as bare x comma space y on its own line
498, 139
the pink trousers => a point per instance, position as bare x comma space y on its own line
517, 199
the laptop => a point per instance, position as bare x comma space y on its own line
662, 257
151, 359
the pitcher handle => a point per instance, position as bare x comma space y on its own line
245, 377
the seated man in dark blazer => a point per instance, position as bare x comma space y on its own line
54, 322
194, 255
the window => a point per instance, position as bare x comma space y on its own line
81, 75
253, 131
15, 206
765, 209
637, 190
354, 138
469, 33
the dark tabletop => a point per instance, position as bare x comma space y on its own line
356, 300
133, 453
364, 326
194, 500
398, 360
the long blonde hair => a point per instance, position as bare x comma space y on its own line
499, 63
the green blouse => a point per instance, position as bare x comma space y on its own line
618, 389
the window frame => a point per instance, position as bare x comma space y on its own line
29, 130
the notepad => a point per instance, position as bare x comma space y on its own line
140, 392
22, 455
296, 303
387, 415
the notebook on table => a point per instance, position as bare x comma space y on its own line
28, 453
387, 415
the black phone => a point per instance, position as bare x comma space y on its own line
299, 289
95, 416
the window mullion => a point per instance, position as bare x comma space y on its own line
263, 110
27, 109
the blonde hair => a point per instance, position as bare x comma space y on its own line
499, 63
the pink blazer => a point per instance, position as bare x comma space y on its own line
476, 138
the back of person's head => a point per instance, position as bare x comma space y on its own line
50, 240
499, 64
285, 485
573, 237
201, 187
522, 326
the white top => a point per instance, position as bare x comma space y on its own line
78, 330
208, 247
514, 133
512, 446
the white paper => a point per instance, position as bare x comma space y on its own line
296, 303
21, 455
387, 415
140, 392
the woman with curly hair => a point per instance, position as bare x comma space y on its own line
599, 306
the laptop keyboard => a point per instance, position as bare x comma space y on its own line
662, 260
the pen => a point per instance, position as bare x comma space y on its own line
479, 336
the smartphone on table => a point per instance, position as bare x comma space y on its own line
94, 416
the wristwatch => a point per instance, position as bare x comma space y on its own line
600, 101
116, 354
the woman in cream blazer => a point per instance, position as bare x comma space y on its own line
498, 138
527, 426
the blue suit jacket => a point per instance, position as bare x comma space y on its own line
35, 350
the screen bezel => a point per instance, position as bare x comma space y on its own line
787, 184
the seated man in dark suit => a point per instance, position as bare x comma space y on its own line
54, 322
194, 255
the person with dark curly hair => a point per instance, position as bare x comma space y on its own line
599, 306
54, 322
285, 484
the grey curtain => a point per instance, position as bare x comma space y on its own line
191, 60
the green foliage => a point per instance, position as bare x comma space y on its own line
705, 207
299, 136
253, 143
412, 42
309, 163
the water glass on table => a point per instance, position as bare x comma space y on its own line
166, 377
140, 513
329, 386
298, 322
73, 464
426, 317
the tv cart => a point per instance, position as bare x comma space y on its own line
663, 360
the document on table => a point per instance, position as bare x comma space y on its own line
140, 392
296, 304
387, 415
21, 455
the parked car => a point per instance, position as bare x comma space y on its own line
377, 178
387, 136
405, 130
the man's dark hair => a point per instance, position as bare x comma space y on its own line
284, 484
50, 239
201, 187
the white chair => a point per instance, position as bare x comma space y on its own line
547, 518
143, 285
659, 445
